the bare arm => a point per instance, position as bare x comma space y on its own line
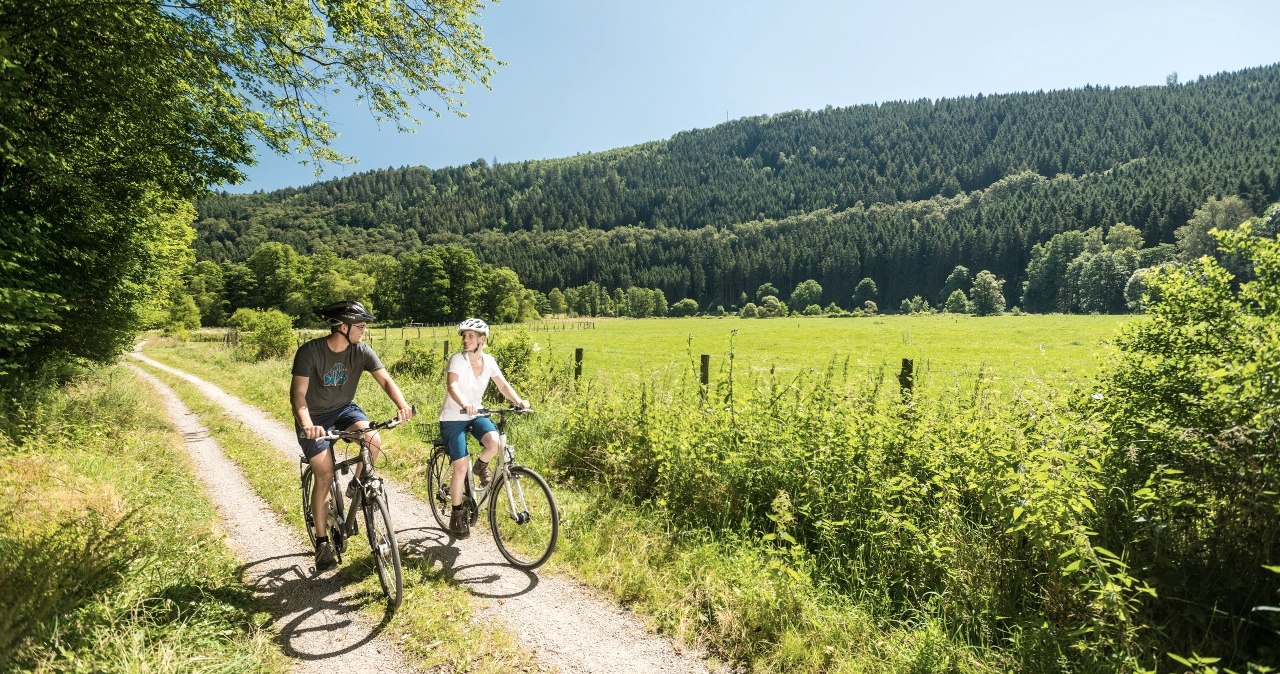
455, 392
302, 413
508, 391
404, 411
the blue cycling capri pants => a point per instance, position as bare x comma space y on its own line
455, 434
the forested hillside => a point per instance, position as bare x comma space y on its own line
900, 192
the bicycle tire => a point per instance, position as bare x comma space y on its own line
335, 530
439, 473
526, 536
384, 549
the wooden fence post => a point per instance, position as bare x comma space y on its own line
705, 375
906, 378
446, 351
577, 363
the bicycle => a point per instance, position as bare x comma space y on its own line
371, 498
526, 524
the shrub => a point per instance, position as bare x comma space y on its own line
419, 361
957, 303
514, 353
264, 333
685, 307
1191, 408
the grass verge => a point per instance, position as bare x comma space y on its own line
111, 559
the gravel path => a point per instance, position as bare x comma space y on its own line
565, 625
317, 625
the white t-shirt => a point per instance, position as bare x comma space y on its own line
471, 385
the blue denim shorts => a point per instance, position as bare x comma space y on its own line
455, 434
341, 419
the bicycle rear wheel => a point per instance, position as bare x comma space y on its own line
524, 518
439, 473
382, 542
334, 519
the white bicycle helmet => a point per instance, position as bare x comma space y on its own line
474, 324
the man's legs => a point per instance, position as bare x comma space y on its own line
322, 476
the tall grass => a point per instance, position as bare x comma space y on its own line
973, 513
109, 556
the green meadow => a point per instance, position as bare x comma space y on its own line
947, 350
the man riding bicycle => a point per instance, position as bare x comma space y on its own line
326, 372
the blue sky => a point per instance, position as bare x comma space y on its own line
585, 76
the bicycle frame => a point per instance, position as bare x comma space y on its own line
369, 497
500, 468
528, 499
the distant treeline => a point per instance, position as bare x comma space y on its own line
899, 192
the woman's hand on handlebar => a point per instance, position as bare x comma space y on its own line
470, 410
406, 413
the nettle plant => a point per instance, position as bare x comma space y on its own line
1193, 410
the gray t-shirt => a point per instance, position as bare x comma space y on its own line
334, 376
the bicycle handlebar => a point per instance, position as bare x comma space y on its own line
487, 411
357, 433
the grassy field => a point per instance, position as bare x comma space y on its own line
947, 350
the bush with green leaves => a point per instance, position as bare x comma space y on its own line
1193, 405
420, 360
264, 333
514, 352
957, 303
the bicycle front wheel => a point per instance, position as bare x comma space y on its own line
382, 542
439, 473
524, 518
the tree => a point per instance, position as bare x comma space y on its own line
915, 305
806, 293
957, 303
183, 314
502, 295
1102, 278
772, 307
685, 307
958, 279
1226, 214
114, 116
206, 287
766, 290
1045, 290
1122, 236
424, 287
865, 291
556, 300
466, 281
988, 294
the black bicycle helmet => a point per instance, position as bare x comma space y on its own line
346, 311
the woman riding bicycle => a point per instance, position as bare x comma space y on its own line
326, 372
467, 376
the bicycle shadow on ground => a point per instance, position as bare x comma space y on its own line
314, 618
432, 551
